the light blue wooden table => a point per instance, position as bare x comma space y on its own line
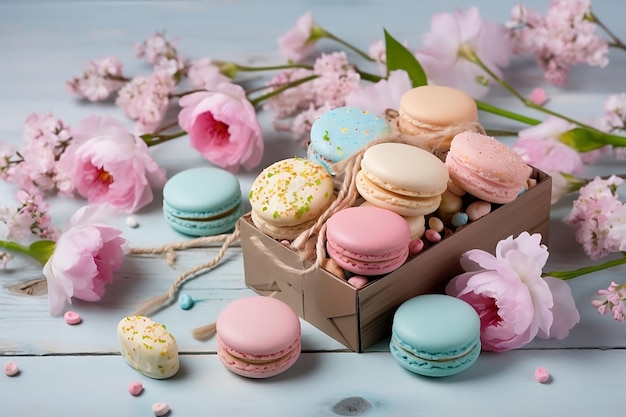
77, 371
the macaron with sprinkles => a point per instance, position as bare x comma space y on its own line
202, 201
288, 196
343, 131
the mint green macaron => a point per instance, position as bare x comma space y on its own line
202, 201
435, 335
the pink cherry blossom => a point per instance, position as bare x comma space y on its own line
84, 260
100, 79
514, 302
222, 126
599, 218
110, 165
336, 79
34, 168
612, 300
298, 42
563, 38
204, 75
146, 98
443, 48
383, 95
293, 99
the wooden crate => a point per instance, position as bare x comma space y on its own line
358, 318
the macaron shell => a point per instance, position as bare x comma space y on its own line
400, 204
342, 131
277, 231
201, 192
368, 240
486, 168
292, 191
433, 368
432, 106
405, 169
249, 368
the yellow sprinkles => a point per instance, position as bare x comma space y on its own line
289, 188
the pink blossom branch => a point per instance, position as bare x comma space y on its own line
617, 43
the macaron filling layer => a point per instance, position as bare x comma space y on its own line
367, 264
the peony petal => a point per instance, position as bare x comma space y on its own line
564, 312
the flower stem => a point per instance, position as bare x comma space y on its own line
506, 113
15, 247
565, 275
364, 55
617, 43
469, 54
279, 90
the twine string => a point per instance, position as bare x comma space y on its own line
160, 301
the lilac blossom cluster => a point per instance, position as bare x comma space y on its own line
564, 37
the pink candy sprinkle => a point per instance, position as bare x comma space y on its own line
11, 369
432, 236
72, 317
135, 388
416, 246
160, 409
542, 375
358, 281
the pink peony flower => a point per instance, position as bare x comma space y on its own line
441, 55
109, 165
84, 260
383, 95
222, 126
514, 302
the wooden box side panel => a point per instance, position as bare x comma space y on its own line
263, 275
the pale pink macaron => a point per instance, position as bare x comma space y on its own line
368, 240
486, 168
258, 337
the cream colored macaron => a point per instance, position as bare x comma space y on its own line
430, 108
402, 178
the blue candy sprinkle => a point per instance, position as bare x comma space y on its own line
185, 301
459, 219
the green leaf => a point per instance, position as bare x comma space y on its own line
41, 250
398, 57
584, 140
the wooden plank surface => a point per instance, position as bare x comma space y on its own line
69, 371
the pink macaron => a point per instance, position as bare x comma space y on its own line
258, 337
367, 240
486, 168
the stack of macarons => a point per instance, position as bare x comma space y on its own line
435, 335
431, 108
202, 201
343, 131
288, 196
258, 337
402, 178
367, 241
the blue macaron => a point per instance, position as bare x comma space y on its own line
202, 201
343, 131
435, 335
